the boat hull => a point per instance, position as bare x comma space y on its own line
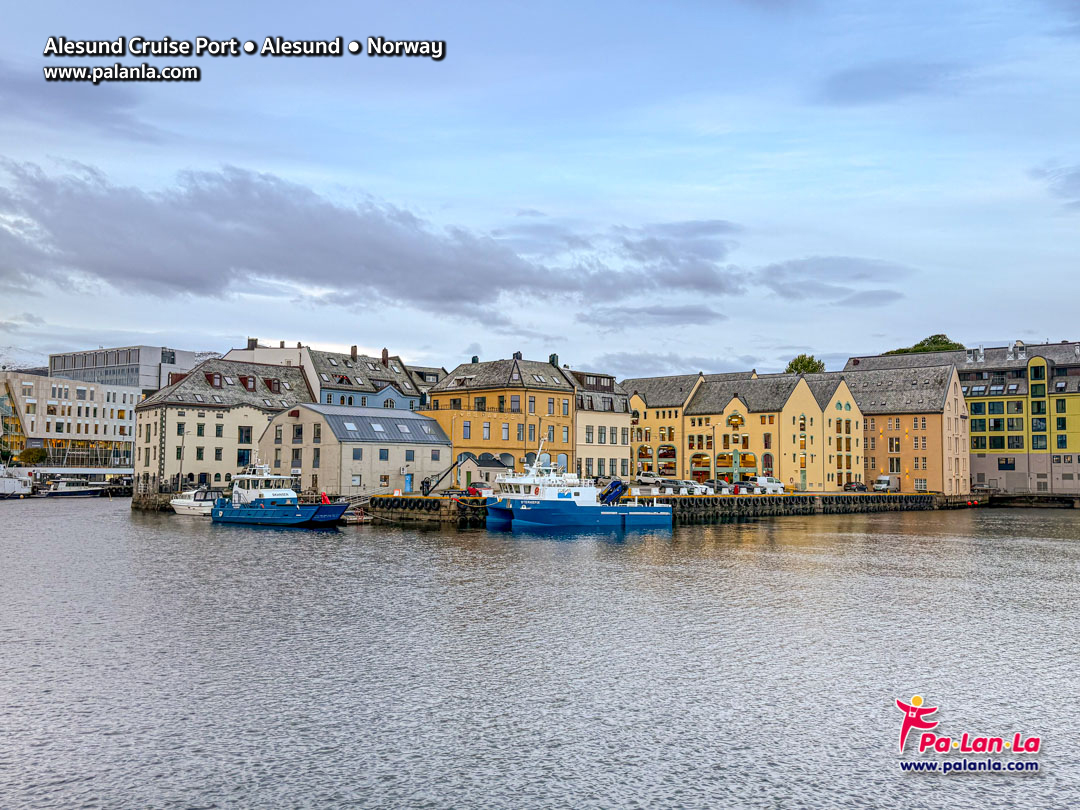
557, 514
192, 509
304, 514
75, 493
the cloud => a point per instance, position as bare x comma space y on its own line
109, 108
1062, 181
471, 349
615, 319
1071, 10
885, 81
649, 364
235, 231
834, 279
870, 298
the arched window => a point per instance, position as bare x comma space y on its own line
341, 400
767, 464
350, 400
228, 476
389, 404
217, 477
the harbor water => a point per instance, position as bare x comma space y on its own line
150, 660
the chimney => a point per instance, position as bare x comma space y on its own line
281, 345
855, 361
352, 351
475, 359
299, 345
253, 343
554, 360
386, 358
517, 355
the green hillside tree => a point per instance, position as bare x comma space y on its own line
805, 364
934, 343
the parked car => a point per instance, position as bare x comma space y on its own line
718, 487
650, 478
854, 486
745, 487
673, 486
694, 488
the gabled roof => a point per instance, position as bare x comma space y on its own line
662, 392
898, 390
765, 394
363, 374
196, 389
398, 426
511, 373
1015, 355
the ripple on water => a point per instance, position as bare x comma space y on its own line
156, 661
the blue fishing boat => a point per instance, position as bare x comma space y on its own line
547, 497
260, 498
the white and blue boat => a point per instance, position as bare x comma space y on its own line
260, 498
547, 497
75, 488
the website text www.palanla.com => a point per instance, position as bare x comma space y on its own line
971, 766
121, 73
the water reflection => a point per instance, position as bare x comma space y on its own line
156, 661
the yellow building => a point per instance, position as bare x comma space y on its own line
727, 426
1023, 404
504, 407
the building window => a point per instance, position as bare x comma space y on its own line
466, 430
410, 455
384, 481
532, 404
588, 434
384, 454
434, 455
1038, 442
316, 456
358, 454
566, 435
487, 430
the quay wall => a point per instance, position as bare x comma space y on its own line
407, 509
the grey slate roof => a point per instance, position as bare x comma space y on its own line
415, 371
768, 393
896, 390
352, 424
661, 392
196, 390
365, 374
997, 357
503, 374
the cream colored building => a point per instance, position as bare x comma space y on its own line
205, 428
83, 425
601, 426
344, 450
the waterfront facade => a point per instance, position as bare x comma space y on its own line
346, 450
204, 428
146, 368
504, 407
81, 425
1023, 403
602, 426
340, 378
915, 427
806, 433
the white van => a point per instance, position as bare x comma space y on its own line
884, 483
767, 484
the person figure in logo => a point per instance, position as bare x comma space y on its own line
915, 717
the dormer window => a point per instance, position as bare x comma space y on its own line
539, 378
394, 366
274, 385
372, 366
348, 364
333, 362
214, 379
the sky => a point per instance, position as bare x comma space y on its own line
698, 185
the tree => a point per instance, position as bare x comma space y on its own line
934, 343
806, 364
32, 456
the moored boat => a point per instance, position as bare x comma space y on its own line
546, 497
199, 502
75, 488
14, 486
261, 498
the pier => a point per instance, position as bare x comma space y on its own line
686, 509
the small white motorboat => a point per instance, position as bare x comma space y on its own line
197, 502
